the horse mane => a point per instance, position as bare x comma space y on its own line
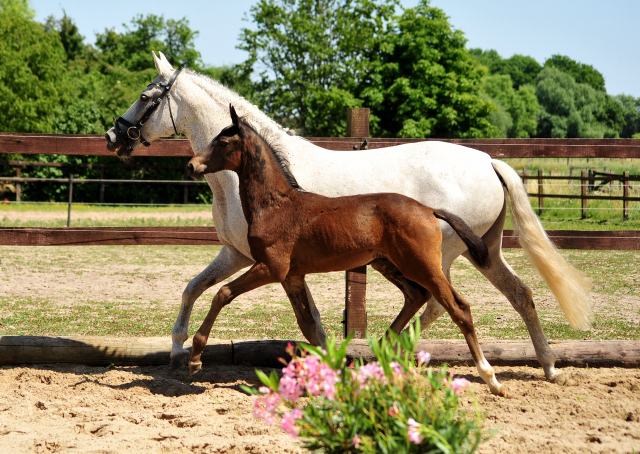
251, 112
274, 145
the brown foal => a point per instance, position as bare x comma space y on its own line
293, 233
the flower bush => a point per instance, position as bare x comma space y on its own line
394, 405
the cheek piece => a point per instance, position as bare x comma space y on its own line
128, 133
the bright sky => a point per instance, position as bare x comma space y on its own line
602, 34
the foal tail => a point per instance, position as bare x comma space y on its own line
477, 248
569, 285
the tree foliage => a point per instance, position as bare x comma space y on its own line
311, 55
425, 83
517, 114
575, 110
581, 72
631, 112
318, 57
32, 82
20, 8
522, 69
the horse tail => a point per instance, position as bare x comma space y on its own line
569, 285
477, 248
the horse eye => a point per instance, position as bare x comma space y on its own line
144, 98
223, 143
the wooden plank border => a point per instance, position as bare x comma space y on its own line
94, 145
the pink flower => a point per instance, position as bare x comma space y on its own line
289, 388
459, 385
371, 371
414, 432
397, 368
393, 411
265, 407
423, 357
356, 441
289, 422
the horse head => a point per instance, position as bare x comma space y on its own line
149, 117
225, 151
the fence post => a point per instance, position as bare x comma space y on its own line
70, 200
540, 193
355, 311
102, 184
625, 196
18, 185
583, 193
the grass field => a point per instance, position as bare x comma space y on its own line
136, 291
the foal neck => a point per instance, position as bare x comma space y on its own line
264, 179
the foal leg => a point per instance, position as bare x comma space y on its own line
415, 295
228, 262
257, 276
502, 276
305, 309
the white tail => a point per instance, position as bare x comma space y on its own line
569, 285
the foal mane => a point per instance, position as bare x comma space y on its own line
274, 145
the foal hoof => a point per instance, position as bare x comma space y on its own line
194, 368
179, 361
500, 392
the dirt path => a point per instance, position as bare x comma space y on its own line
65, 408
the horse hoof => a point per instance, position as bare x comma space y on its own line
179, 361
559, 379
194, 368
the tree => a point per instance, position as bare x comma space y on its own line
32, 82
132, 49
631, 112
582, 73
312, 55
517, 109
522, 69
424, 83
572, 109
20, 8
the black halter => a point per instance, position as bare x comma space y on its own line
128, 132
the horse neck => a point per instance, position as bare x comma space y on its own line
206, 111
263, 184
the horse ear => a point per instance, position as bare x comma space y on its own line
162, 65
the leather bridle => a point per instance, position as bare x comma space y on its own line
128, 132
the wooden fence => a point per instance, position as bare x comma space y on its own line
355, 312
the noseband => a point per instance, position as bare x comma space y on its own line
128, 132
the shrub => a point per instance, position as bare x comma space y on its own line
392, 405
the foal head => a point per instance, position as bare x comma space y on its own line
225, 151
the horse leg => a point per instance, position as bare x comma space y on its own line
257, 276
305, 309
502, 276
415, 295
228, 262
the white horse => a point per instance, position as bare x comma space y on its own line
461, 180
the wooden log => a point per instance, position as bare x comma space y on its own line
94, 145
519, 353
108, 236
102, 351
261, 353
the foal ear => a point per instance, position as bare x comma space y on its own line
235, 120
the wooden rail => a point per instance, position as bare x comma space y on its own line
94, 145
141, 236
